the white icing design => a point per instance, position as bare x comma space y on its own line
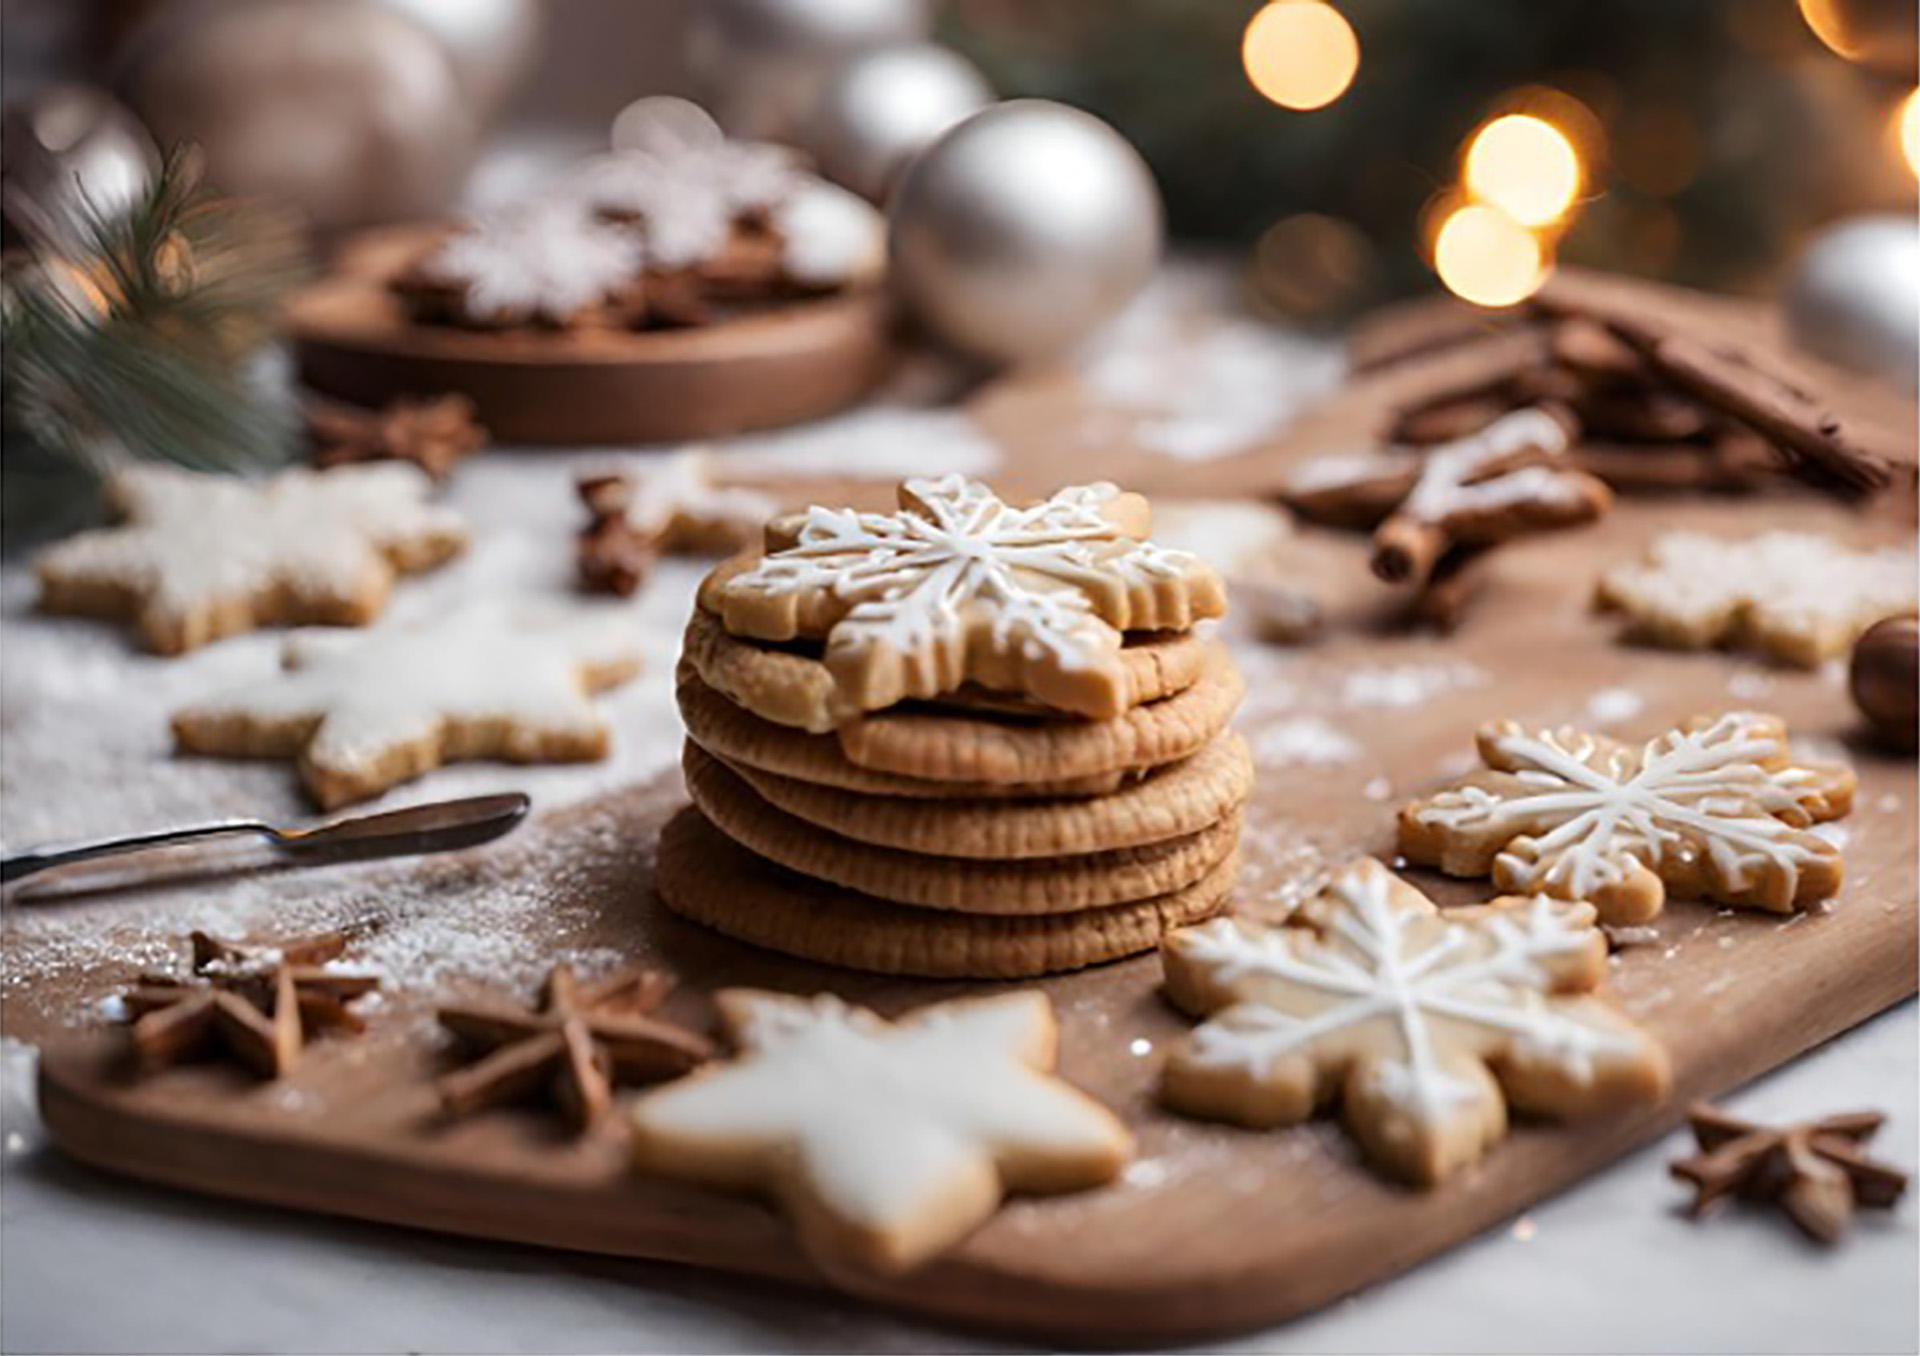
1581, 811
1464, 477
545, 260
681, 485
1408, 995
484, 665
829, 237
904, 1132
688, 196
191, 541
1803, 592
916, 577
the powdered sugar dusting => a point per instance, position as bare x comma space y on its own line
1199, 381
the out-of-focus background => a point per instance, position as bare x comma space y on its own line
1344, 148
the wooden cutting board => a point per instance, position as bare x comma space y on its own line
1213, 1228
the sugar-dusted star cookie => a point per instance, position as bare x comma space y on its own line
1714, 809
197, 556
1426, 1027
887, 1141
364, 712
960, 586
1796, 596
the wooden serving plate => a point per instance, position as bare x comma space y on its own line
1213, 1228
788, 364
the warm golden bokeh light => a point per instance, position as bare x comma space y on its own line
1907, 123
1829, 24
1301, 54
1525, 166
1486, 257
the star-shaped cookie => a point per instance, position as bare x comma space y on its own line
1714, 809
960, 586
887, 1141
1799, 597
1426, 1026
198, 556
364, 712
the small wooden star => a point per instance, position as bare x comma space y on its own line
1818, 1171
434, 434
255, 1004
573, 1048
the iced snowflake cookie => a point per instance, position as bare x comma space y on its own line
1799, 597
543, 263
1426, 1027
197, 557
362, 713
744, 217
958, 586
888, 1142
1715, 809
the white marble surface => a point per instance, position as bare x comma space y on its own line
88, 1263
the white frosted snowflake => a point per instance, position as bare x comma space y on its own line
544, 261
1716, 808
965, 579
1411, 1015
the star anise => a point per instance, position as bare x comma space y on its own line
1818, 1171
432, 433
256, 1004
573, 1048
615, 556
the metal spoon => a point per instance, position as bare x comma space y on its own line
439, 827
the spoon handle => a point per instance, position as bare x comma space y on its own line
22, 864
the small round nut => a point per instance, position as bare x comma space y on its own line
1884, 678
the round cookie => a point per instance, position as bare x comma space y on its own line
1172, 802
706, 877
790, 687
1032, 885
745, 740
950, 747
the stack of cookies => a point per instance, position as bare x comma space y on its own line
962, 739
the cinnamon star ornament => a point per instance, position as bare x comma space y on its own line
580, 1041
256, 1004
1817, 1171
434, 434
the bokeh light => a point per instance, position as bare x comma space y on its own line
1525, 166
1301, 54
1906, 120
1829, 23
1486, 257
1310, 265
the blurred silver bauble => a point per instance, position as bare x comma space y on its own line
493, 43
1854, 297
65, 148
878, 109
1022, 230
759, 64
345, 110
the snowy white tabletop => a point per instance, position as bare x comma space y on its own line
96, 1264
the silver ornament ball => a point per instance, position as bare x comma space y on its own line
759, 64
493, 43
65, 149
1854, 297
880, 108
1022, 230
346, 111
